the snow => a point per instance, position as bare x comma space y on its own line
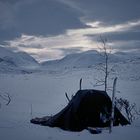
44, 92
16, 61
89, 59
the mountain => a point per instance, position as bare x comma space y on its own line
75, 60
15, 60
89, 59
21, 61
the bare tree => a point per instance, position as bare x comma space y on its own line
5, 97
122, 104
105, 68
104, 52
131, 109
106, 56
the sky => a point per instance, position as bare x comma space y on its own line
51, 29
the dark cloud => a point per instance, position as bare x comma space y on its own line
128, 45
14, 49
9, 1
48, 20
51, 17
37, 46
110, 11
125, 36
36, 17
123, 41
117, 36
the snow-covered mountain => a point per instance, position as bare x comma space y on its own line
89, 59
21, 61
75, 60
15, 60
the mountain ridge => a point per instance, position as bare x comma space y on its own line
89, 58
16, 61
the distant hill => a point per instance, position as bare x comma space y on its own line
24, 63
89, 59
15, 60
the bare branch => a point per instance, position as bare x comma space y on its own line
130, 109
99, 81
67, 97
6, 97
100, 67
97, 85
103, 67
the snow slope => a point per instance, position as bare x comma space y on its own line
89, 59
45, 93
84, 59
15, 61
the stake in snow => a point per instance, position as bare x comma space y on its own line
113, 104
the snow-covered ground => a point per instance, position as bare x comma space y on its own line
44, 93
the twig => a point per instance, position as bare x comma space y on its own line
6, 97
67, 97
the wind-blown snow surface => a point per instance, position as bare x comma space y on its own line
44, 94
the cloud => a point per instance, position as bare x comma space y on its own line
104, 29
66, 51
50, 29
73, 5
53, 47
74, 40
129, 45
124, 36
54, 17
108, 11
36, 17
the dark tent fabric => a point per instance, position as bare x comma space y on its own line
88, 108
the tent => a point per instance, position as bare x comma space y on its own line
88, 108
